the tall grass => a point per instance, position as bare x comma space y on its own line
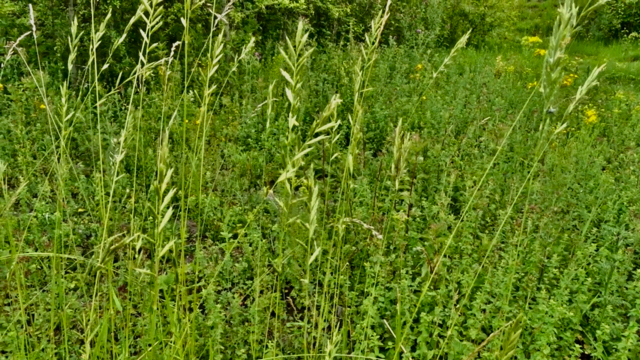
316, 204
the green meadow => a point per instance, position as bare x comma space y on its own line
175, 187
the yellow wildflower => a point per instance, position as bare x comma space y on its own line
1, 87
419, 67
540, 52
43, 106
531, 40
511, 69
532, 85
424, 98
569, 79
197, 122
591, 116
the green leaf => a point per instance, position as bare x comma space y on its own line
287, 77
165, 220
167, 247
315, 255
302, 153
115, 299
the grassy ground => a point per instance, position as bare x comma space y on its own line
346, 204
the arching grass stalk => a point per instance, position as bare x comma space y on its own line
460, 44
11, 51
57, 131
322, 304
456, 315
565, 27
401, 147
581, 92
189, 7
265, 134
402, 144
541, 151
152, 22
425, 288
93, 65
295, 151
363, 70
322, 129
567, 24
181, 306
16, 269
60, 126
215, 46
162, 214
215, 54
296, 55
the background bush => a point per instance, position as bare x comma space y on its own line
435, 22
617, 20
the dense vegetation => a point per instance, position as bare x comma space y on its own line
319, 179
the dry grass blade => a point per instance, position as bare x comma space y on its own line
394, 336
373, 230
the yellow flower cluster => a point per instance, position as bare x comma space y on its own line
1, 87
43, 106
590, 116
532, 85
531, 40
540, 52
196, 121
418, 68
569, 79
